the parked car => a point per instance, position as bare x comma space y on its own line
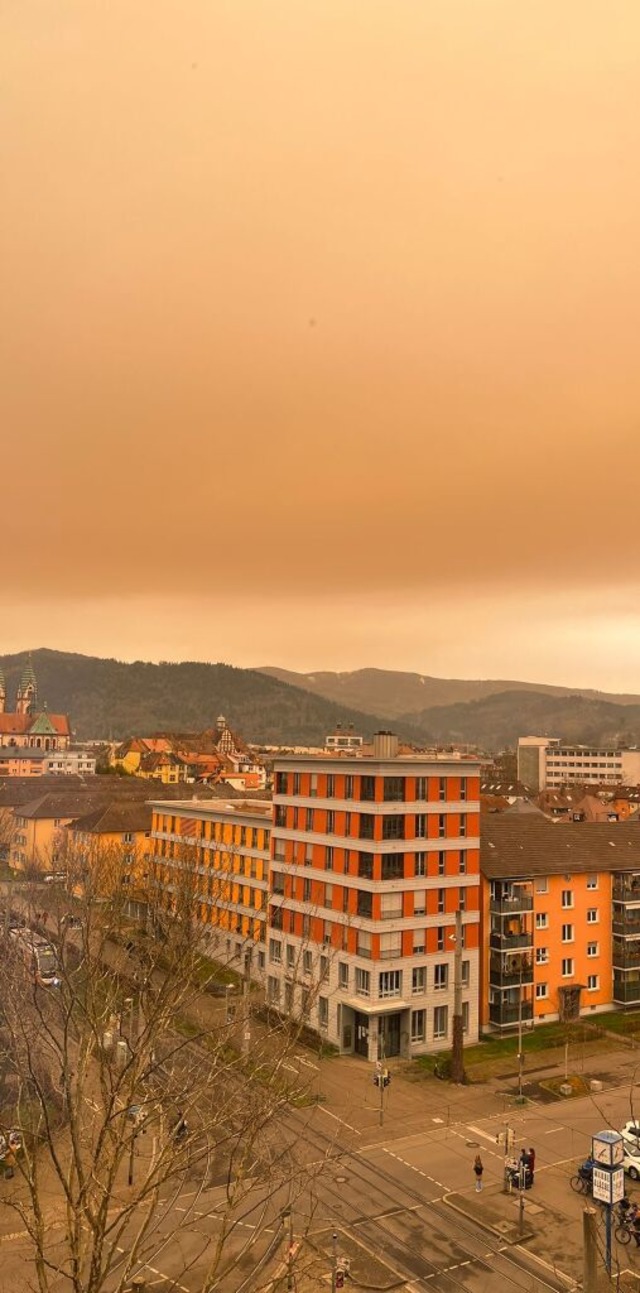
631, 1130
55, 877
631, 1160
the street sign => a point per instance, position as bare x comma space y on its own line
608, 1184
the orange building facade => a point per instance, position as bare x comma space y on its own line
560, 920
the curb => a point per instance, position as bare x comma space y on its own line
506, 1235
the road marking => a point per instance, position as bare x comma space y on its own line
307, 1063
418, 1170
321, 1109
168, 1279
552, 1131
437, 1119
477, 1132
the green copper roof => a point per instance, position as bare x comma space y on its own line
28, 676
43, 726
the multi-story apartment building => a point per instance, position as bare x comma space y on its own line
226, 845
546, 763
372, 856
560, 919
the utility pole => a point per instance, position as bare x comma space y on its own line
334, 1261
590, 1251
520, 1036
457, 1056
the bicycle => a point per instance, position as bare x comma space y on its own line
581, 1184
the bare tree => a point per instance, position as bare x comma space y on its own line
148, 1133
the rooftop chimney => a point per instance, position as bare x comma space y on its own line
385, 745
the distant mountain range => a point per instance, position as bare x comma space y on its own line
393, 694
110, 699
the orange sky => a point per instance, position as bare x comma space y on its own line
319, 332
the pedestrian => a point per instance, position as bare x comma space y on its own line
478, 1170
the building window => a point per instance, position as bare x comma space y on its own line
441, 900
393, 867
440, 977
365, 866
290, 956
347, 823
313, 786
368, 788
542, 884
567, 898
273, 989
420, 864
421, 787
442, 825
419, 902
367, 823
463, 787
309, 819
542, 920
567, 967
462, 900
592, 916
440, 938
328, 858
442, 862
275, 951
328, 895
542, 955
418, 980
308, 854
592, 949
343, 974
331, 786
592, 882
421, 826
331, 822
567, 933
281, 783
593, 982
462, 862
348, 787
542, 990
389, 983
393, 790
465, 1017
363, 982
261, 960
365, 903
363, 945
418, 1025
466, 973
463, 827
296, 783
391, 906
307, 962
393, 828
306, 890
281, 815
440, 1022
323, 1012
442, 788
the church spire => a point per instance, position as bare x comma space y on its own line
27, 691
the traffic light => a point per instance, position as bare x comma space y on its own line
339, 1279
382, 1078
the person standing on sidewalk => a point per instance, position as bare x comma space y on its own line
478, 1170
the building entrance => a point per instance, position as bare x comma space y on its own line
362, 1035
389, 1036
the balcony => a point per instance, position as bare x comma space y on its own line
509, 942
503, 1016
510, 905
626, 992
626, 956
627, 889
502, 974
625, 926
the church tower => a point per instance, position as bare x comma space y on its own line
27, 691
3, 693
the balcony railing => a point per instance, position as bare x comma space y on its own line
627, 890
627, 957
507, 1016
626, 992
511, 906
507, 942
626, 926
503, 975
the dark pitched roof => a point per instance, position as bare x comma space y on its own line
113, 819
532, 845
